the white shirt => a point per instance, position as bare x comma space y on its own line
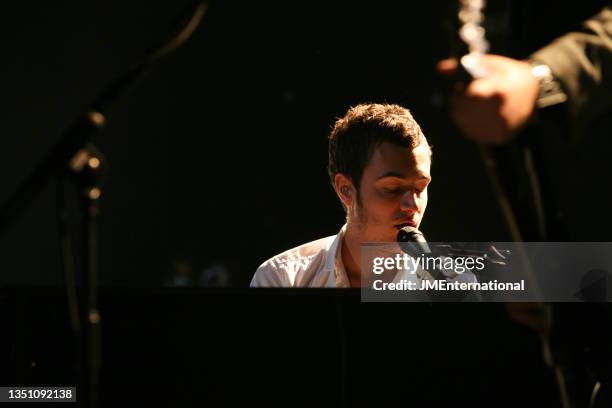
315, 264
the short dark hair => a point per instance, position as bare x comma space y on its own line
355, 136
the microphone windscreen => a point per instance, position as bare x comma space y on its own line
412, 241
410, 234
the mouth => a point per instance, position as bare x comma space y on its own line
405, 224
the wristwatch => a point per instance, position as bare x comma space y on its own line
551, 92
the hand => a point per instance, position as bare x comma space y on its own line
493, 109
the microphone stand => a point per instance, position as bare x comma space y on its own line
76, 158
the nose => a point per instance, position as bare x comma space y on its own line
409, 202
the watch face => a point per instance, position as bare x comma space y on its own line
551, 92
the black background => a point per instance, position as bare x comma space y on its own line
217, 155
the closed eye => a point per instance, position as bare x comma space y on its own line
393, 191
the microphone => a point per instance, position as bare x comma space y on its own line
413, 240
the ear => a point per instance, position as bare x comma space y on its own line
344, 189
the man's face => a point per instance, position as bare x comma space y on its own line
393, 191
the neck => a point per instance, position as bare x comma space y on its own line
351, 255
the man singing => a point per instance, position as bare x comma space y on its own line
379, 163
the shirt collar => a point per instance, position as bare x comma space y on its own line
333, 261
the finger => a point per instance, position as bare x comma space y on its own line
482, 89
